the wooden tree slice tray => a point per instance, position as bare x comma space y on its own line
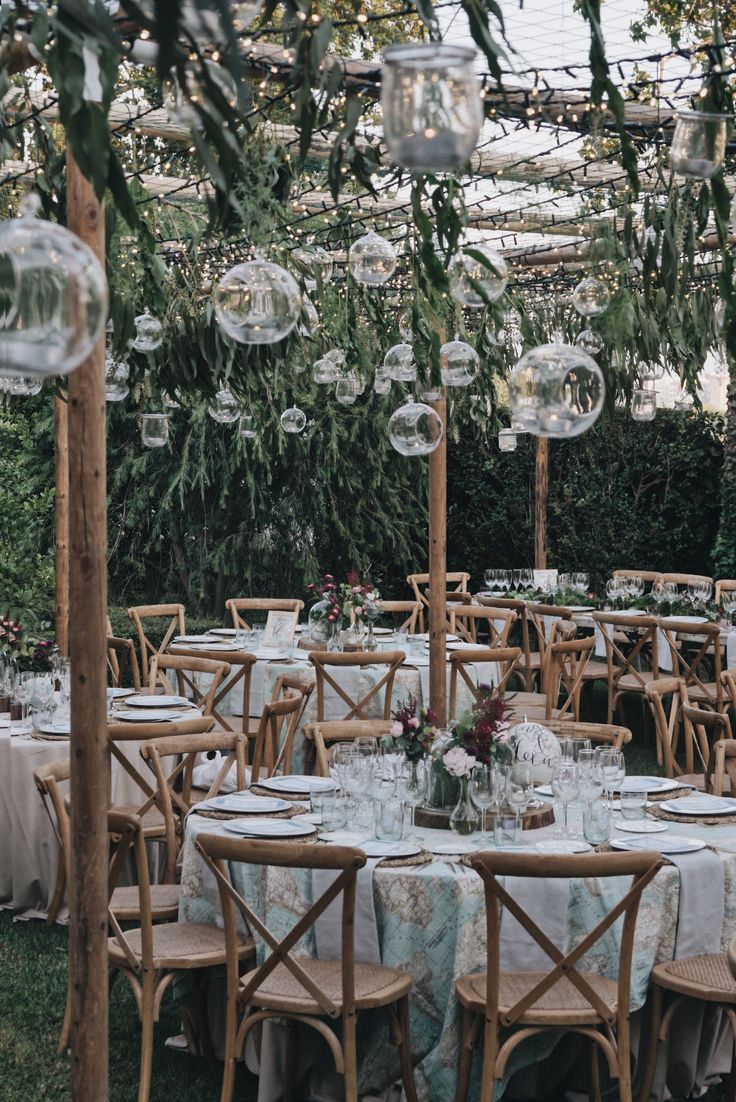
533, 819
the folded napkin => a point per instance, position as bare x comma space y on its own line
701, 907
328, 927
204, 774
548, 623
545, 901
664, 654
731, 650
600, 641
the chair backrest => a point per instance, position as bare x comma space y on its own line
512, 604
603, 734
549, 623
721, 765
696, 657
641, 867
456, 581
120, 733
120, 652
728, 679
126, 835
646, 575
464, 621
241, 665
321, 735
568, 660
237, 605
639, 654
703, 729
324, 661
218, 852
686, 579
463, 661
176, 626
186, 670
724, 585
48, 778
665, 698
273, 748
172, 760
410, 609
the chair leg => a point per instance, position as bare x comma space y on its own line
350, 1056
467, 1035
55, 905
488, 1071
289, 1056
66, 1025
595, 1078
147, 1015
650, 1064
407, 1071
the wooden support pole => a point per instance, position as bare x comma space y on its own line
437, 572
61, 445
541, 490
88, 752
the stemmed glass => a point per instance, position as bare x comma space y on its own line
516, 579
580, 582
484, 790
527, 578
728, 600
42, 692
670, 593
612, 591
590, 776
613, 766
412, 787
519, 787
22, 690
565, 783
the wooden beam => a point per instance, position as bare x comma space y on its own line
90, 784
541, 492
437, 572
61, 512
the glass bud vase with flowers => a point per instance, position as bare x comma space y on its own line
341, 609
480, 736
413, 729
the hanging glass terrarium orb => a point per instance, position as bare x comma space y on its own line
154, 429
591, 297
431, 105
225, 407
506, 440
325, 371
53, 296
429, 393
149, 333
293, 419
246, 428
116, 379
347, 390
309, 322
372, 259
459, 363
170, 402
644, 405
405, 325
415, 429
399, 363
589, 341
318, 264
476, 282
381, 380
337, 356
698, 144
20, 386
257, 302
556, 390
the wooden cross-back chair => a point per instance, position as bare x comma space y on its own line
48, 779
120, 652
241, 665
456, 581
704, 730
566, 665
238, 605
686, 579
600, 734
294, 988
695, 650
172, 762
532, 658
273, 749
323, 735
565, 998
462, 670
356, 708
728, 678
650, 576
626, 658
177, 626
410, 609
665, 698
724, 585
186, 684
464, 620
549, 623
150, 956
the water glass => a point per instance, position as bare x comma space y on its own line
633, 805
519, 786
484, 790
316, 800
334, 812
565, 783
597, 823
416, 647
506, 831
413, 786
241, 638
571, 747
389, 820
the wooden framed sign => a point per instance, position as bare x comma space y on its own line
280, 628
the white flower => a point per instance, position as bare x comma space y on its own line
458, 762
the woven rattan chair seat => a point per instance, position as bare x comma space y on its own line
708, 694
179, 945
562, 1001
152, 819
125, 903
374, 986
596, 671
697, 780
707, 977
634, 682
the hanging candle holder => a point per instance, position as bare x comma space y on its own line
257, 302
116, 379
591, 297
399, 363
478, 279
372, 259
318, 265
381, 380
53, 296
684, 400
225, 408
556, 390
506, 440
293, 420
170, 402
347, 390
154, 429
459, 363
21, 386
406, 326
310, 322
325, 371
589, 341
643, 405
431, 105
246, 428
149, 333
429, 393
415, 429
698, 144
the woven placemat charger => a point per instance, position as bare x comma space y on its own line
292, 797
289, 813
696, 820
49, 738
673, 794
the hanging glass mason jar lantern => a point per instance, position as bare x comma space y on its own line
591, 297
431, 105
225, 408
154, 429
116, 379
318, 265
476, 282
589, 341
459, 363
149, 333
293, 419
506, 440
415, 429
399, 363
372, 259
257, 302
556, 390
698, 144
347, 390
53, 296
246, 428
643, 405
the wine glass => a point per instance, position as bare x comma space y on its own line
42, 692
412, 787
489, 577
590, 777
565, 783
612, 591
519, 786
527, 578
572, 747
581, 582
22, 691
484, 789
613, 767
636, 587
670, 590
516, 578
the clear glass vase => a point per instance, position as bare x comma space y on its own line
465, 815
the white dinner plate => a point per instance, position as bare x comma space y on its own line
641, 826
417, 660
462, 645
226, 633
691, 619
117, 693
374, 848
54, 728
212, 644
581, 608
700, 805
269, 828
661, 845
544, 790
296, 783
451, 849
158, 702
383, 631
271, 654
637, 784
191, 639
263, 805
425, 635
560, 846
143, 716
342, 837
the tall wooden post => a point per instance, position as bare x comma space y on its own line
437, 572
88, 752
61, 444
541, 490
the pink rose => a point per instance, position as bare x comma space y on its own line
458, 762
397, 729
357, 589
413, 722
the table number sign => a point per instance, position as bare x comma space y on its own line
280, 628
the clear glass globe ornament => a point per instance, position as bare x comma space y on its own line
309, 322
326, 371
53, 296
347, 390
180, 93
149, 333
698, 144
246, 428
257, 302
589, 341
556, 390
116, 379
591, 297
459, 363
225, 408
154, 429
337, 356
506, 440
381, 380
415, 429
475, 282
293, 420
429, 393
20, 386
318, 265
399, 363
372, 259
